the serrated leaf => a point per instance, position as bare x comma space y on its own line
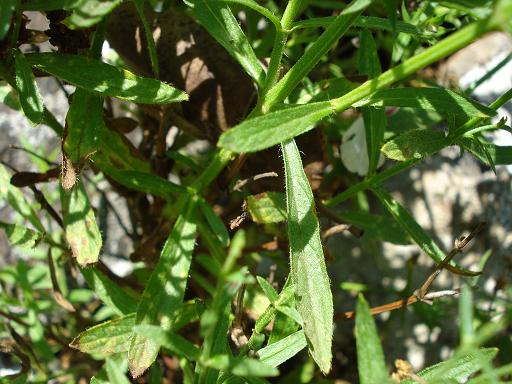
308, 270
80, 227
370, 357
16, 200
267, 207
104, 79
169, 340
106, 338
414, 144
219, 21
20, 236
458, 368
30, 99
273, 128
112, 295
283, 350
87, 13
84, 125
163, 295
436, 99
6, 12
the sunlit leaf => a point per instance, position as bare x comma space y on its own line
267, 207
5, 16
308, 270
30, 99
106, 338
87, 13
414, 144
370, 357
163, 295
81, 229
104, 79
169, 340
284, 349
20, 236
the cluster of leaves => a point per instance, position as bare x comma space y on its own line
186, 301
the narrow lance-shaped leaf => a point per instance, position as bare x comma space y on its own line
273, 128
139, 5
6, 12
89, 12
414, 144
115, 373
81, 229
106, 338
308, 270
51, 5
163, 295
84, 125
284, 349
487, 152
105, 79
169, 340
414, 230
219, 21
111, 294
374, 118
370, 357
437, 99
30, 99
21, 236
459, 368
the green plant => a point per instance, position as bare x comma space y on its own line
189, 300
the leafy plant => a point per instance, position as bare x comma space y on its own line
168, 125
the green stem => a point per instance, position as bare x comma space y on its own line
431, 55
290, 13
450, 140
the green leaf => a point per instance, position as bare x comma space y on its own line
415, 231
163, 295
370, 357
30, 99
115, 373
219, 21
144, 182
370, 22
256, 7
273, 128
267, 207
20, 236
215, 222
89, 12
14, 197
106, 338
148, 32
466, 328
84, 125
81, 230
214, 328
283, 350
8, 96
244, 367
369, 63
487, 152
112, 295
308, 270
267, 289
169, 340
414, 144
436, 99
458, 368
6, 12
105, 79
